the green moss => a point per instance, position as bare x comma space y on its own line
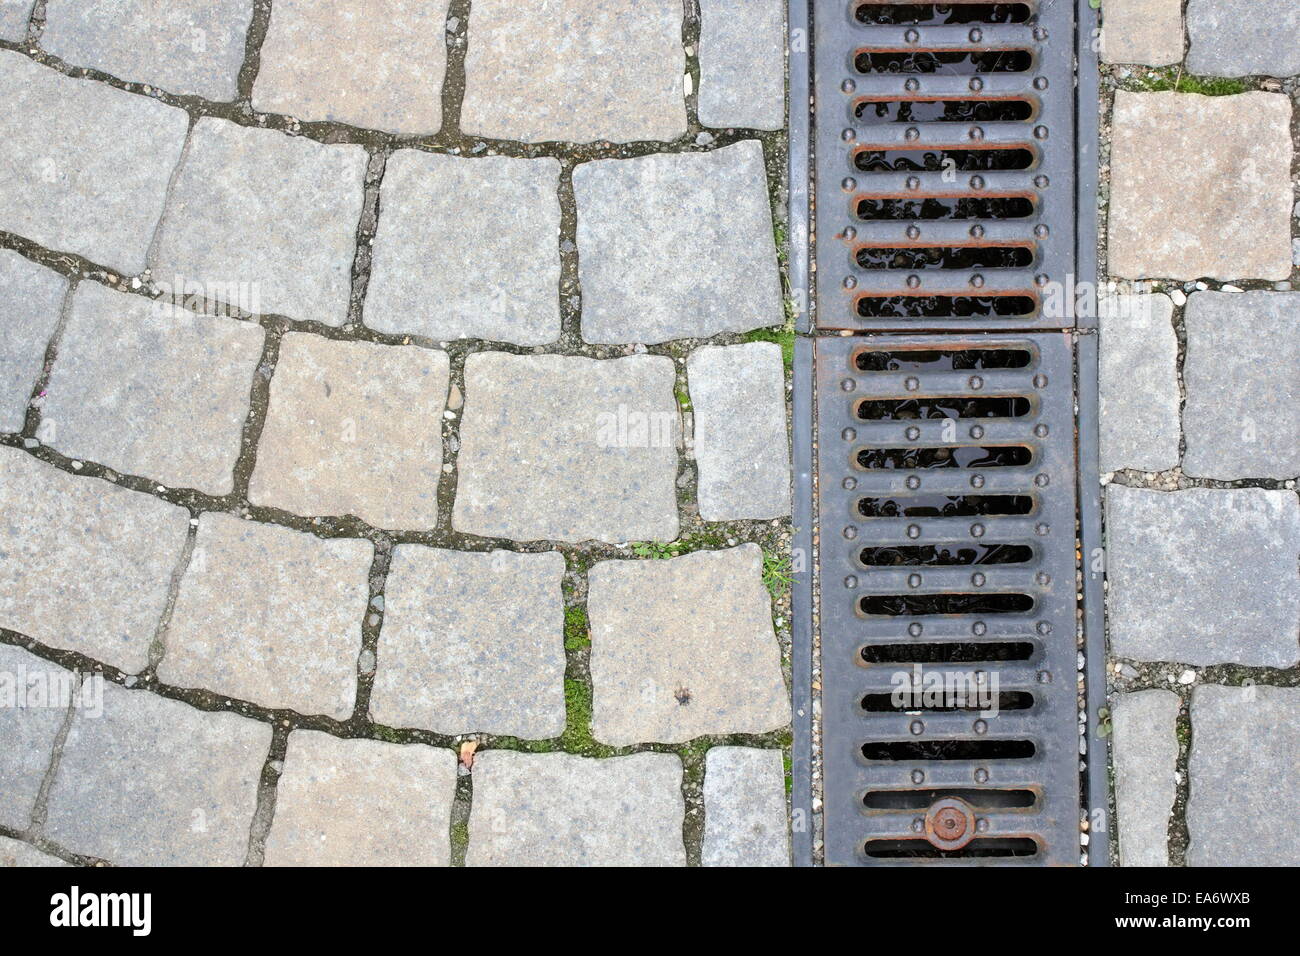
683, 399
577, 635
1175, 80
459, 839
783, 337
577, 738
789, 772
387, 733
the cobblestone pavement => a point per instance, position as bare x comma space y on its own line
393, 454
1201, 427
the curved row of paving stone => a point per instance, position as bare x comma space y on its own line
1201, 431
145, 392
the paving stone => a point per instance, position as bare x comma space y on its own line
86, 165
1242, 417
575, 71
742, 63
1139, 383
1203, 576
354, 428
362, 803
15, 853
30, 299
558, 809
738, 397
85, 564
486, 229
1145, 749
13, 18
472, 642
745, 822
151, 389
567, 448
1149, 32
257, 208
183, 47
1243, 37
155, 782
684, 647
386, 75
34, 700
270, 615
1244, 776
1218, 202
676, 246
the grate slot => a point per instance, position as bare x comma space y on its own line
964, 306
987, 109
964, 652
944, 555
979, 799
945, 456
942, 406
976, 849
945, 62
935, 359
1005, 700
871, 208
983, 749
954, 159
923, 605
953, 12
966, 256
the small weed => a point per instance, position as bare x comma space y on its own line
660, 550
1176, 81
777, 574
683, 399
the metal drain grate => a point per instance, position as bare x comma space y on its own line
947, 505
945, 163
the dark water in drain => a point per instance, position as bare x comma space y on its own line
946, 456
871, 409
919, 306
945, 257
947, 207
962, 160
944, 111
945, 506
957, 62
931, 555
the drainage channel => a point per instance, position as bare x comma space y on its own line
945, 435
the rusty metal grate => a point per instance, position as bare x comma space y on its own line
945, 163
948, 598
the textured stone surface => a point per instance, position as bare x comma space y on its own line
30, 299
190, 46
154, 782
361, 803
683, 647
15, 853
1244, 776
85, 564
738, 396
1145, 748
1138, 383
742, 63
676, 246
1142, 31
151, 390
575, 70
13, 18
1203, 576
270, 615
372, 63
472, 642
354, 428
1242, 417
1218, 203
1243, 37
86, 165
467, 248
745, 822
278, 213
557, 809
567, 448
30, 718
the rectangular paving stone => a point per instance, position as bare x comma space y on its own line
1149, 32
575, 71
30, 299
558, 809
1243, 37
1244, 776
387, 74
684, 647
33, 706
270, 615
568, 449
85, 564
86, 165
354, 428
472, 642
1145, 749
15, 853
742, 63
275, 212
361, 803
151, 389
1203, 576
674, 246
745, 822
487, 229
1138, 383
738, 396
181, 46
1218, 203
1242, 417
155, 782
13, 18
